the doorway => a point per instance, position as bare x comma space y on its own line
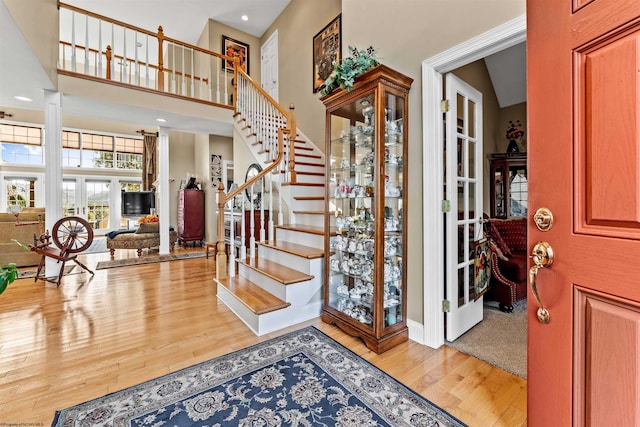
498, 39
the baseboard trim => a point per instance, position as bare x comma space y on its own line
416, 331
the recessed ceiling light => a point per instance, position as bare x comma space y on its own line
23, 98
161, 120
245, 18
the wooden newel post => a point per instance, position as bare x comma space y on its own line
221, 256
293, 132
160, 59
108, 54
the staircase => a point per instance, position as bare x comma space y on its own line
282, 285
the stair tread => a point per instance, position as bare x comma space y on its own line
309, 198
307, 184
311, 156
253, 296
310, 212
320, 165
278, 272
312, 229
295, 249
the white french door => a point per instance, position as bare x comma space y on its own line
464, 193
89, 199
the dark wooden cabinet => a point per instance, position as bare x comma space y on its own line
366, 205
190, 216
237, 229
508, 185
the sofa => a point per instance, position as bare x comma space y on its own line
23, 233
146, 236
509, 273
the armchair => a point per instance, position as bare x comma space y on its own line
508, 239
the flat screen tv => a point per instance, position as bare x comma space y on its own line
137, 203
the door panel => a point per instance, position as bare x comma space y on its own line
584, 161
464, 192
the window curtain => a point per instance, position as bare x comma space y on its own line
149, 154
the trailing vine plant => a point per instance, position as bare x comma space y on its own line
344, 74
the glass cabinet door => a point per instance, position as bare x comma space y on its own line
351, 206
393, 181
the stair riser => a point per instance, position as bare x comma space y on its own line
302, 190
247, 316
309, 168
307, 239
308, 205
315, 179
310, 219
305, 265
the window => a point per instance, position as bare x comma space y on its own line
97, 151
21, 144
21, 191
98, 203
70, 148
129, 153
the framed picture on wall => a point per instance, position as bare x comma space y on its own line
235, 48
216, 170
327, 49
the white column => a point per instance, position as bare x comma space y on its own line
53, 168
163, 188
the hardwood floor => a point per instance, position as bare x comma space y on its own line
62, 346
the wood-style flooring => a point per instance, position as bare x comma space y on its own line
93, 336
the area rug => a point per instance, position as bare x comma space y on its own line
147, 260
30, 274
500, 339
303, 378
98, 246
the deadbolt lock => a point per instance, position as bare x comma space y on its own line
543, 219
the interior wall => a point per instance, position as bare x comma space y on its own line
39, 29
517, 112
216, 30
181, 167
298, 23
477, 75
412, 31
222, 146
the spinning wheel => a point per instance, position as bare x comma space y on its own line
71, 235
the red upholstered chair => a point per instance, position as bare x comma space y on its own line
509, 273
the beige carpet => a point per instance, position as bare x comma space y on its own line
147, 260
500, 339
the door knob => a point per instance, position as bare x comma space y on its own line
543, 218
542, 257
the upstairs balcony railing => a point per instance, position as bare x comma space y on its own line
98, 47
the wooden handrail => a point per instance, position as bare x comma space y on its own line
221, 257
272, 101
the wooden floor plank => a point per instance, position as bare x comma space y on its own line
93, 336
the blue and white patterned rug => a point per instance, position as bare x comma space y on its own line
303, 378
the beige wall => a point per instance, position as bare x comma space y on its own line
405, 33
42, 16
222, 146
298, 23
181, 163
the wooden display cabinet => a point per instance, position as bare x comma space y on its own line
365, 239
508, 185
190, 216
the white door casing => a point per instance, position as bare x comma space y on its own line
269, 65
464, 195
431, 331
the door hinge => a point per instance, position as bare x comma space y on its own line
446, 306
446, 206
444, 105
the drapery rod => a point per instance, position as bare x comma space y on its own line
144, 133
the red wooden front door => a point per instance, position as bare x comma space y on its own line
583, 75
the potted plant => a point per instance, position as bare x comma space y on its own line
8, 273
344, 74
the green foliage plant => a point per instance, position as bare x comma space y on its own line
8, 273
344, 74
